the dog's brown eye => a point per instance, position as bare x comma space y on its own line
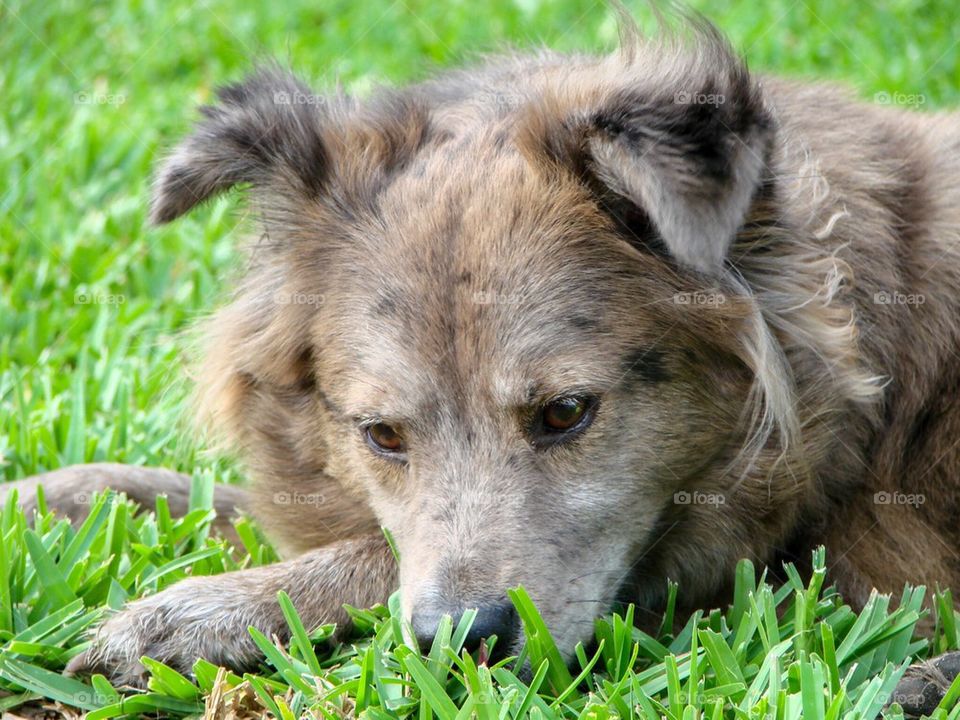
384, 438
564, 414
562, 420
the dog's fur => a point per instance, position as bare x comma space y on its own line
757, 278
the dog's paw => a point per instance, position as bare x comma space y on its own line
924, 684
188, 621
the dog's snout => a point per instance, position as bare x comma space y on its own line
497, 618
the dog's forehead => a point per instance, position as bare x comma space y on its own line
484, 280
473, 213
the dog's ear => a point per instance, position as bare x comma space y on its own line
673, 139
692, 162
266, 130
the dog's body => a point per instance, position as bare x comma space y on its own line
581, 324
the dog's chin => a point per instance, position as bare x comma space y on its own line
626, 593
525, 672
646, 592
590, 648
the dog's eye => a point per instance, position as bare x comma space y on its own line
566, 414
384, 438
563, 419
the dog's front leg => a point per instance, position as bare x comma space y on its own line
208, 617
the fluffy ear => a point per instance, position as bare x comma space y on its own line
265, 130
692, 167
674, 135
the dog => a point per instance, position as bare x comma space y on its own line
578, 323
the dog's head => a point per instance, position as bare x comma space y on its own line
498, 309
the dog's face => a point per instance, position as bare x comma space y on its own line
505, 329
506, 374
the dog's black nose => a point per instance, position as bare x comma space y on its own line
498, 618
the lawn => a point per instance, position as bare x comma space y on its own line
94, 304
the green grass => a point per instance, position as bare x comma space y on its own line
92, 304
777, 654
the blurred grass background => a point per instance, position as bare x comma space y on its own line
92, 300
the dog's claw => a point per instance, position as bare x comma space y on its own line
79, 665
89, 663
115, 663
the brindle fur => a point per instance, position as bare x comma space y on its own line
450, 255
